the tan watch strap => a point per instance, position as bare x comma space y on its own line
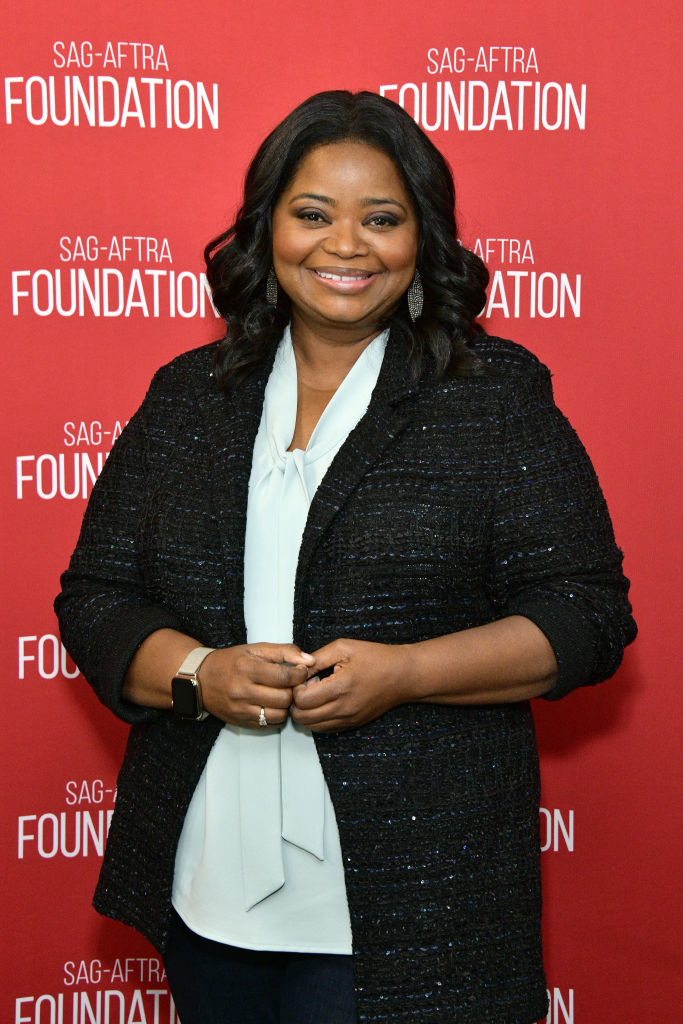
193, 660
189, 670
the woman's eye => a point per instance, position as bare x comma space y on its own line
382, 220
313, 216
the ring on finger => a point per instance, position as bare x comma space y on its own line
262, 720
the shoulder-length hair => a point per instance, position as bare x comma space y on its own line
454, 279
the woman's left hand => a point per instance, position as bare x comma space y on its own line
367, 680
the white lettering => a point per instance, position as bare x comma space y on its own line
553, 825
17, 293
104, 102
504, 250
84, 103
23, 656
557, 1006
545, 295
11, 101
89, 433
85, 973
83, 249
50, 657
71, 834
109, 292
131, 105
501, 100
501, 58
472, 104
108, 1006
84, 792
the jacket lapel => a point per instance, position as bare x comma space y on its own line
386, 416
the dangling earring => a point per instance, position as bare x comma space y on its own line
271, 288
415, 296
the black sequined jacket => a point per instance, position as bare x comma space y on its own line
450, 505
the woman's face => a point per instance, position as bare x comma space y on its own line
345, 239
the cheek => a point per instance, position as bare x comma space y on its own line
288, 246
401, 254
403, 262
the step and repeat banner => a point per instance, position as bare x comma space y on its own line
127, 129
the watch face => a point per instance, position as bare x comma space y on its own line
185, 697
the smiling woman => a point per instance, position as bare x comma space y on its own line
323, 571
344, 258
360, 135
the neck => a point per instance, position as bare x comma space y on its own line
324, 358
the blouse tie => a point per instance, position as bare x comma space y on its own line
282, 792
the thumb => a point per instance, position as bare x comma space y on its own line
330, 655
281, 653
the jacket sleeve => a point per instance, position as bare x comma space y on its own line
555, 559
103, 611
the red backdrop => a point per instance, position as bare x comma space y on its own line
128, 128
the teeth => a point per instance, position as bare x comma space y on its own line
342, 277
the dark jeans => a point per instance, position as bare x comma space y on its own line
216, 984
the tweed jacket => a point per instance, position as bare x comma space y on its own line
451, 504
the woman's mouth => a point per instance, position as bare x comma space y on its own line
342, 280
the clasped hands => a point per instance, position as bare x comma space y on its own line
365, 680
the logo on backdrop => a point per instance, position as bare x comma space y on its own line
117, 276
130, 989
110, 84
78, 831
492, 88
518, 288
69, 474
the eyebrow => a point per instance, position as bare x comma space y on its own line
371, 201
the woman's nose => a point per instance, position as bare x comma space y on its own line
344, 239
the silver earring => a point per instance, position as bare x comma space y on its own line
415, 296
271, 288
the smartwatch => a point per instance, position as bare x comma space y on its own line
186, 692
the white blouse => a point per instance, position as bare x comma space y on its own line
259, 864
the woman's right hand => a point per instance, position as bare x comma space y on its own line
237, 682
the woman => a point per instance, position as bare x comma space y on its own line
327, 565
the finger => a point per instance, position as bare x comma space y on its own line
267, 696
289, 653
316, 693
331, 653
326, 719
269, 673
251, 716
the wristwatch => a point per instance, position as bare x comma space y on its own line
186, 691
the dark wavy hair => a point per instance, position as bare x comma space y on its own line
454, 279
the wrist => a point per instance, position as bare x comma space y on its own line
425, 670
408, 673
186, 688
